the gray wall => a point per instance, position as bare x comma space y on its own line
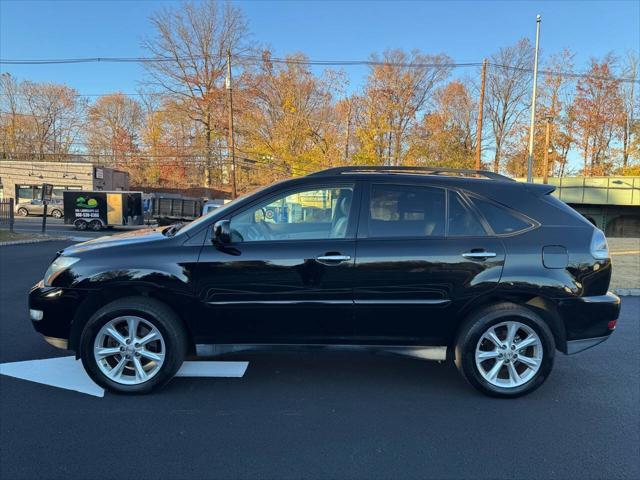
80, 176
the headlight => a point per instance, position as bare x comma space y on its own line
58, 266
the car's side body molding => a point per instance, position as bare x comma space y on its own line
424, 352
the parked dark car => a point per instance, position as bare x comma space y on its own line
439, 264
55, 208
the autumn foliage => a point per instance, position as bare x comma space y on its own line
291, 117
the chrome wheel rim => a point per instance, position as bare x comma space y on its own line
509, 354
129, 350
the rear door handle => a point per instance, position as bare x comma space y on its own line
333, 258
482, 254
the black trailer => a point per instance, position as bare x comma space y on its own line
97, 210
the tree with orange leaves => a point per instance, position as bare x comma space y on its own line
599, 116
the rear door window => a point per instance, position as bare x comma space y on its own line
462, 221
406, 211
501, 219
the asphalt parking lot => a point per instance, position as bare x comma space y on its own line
318, 415
57, 228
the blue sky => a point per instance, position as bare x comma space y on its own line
466, 31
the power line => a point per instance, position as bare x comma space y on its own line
298, 61
141, 158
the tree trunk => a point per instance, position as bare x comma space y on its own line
496, 159
625, 145
207, 167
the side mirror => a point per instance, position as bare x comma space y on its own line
222, 232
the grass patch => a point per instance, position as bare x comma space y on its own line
7, 236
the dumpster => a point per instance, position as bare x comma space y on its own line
167, 209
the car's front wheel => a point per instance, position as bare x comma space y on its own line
56, 213
23, 212
505, 350
133, 345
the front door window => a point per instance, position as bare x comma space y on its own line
314, 214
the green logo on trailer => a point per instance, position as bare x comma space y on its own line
82, 202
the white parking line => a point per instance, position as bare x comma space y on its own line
68, 373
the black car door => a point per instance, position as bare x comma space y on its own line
422, 253
287, 276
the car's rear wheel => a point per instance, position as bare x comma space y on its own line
133, 345
505, 350
56, 213
23, 212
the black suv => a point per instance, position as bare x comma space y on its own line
434, 263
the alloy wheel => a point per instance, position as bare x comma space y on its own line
509, 354
129, 350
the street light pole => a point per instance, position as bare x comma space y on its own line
533, 104
480, 115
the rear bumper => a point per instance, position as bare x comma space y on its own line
588, 320
576, 346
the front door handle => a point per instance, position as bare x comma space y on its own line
479, 255
333, 258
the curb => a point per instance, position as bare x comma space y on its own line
31, 240
627, 292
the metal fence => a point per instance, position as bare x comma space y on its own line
6, 214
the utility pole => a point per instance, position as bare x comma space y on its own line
232, 147
545, 179
346, 147
532, 126
480, 116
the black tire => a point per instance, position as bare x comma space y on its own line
23, 212
477, 324
95, 225
80, 224
56, 213
153, 311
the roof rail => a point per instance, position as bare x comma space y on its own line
427, 170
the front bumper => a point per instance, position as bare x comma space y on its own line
587, 320
52, 310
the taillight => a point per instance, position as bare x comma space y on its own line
599, 247
612, 324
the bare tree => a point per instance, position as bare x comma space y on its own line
397, 91
190, 45
9, 106
39, 119
508, 80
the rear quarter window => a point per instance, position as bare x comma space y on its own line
501, 220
